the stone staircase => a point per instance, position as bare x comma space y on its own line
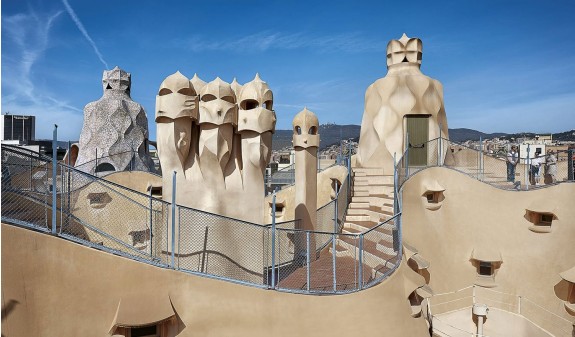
371, 204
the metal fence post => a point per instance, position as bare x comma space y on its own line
30, 161
333, 263
274, 241
335, 230
95, 167
348, 176
307, 262
151, 226
439, 148
173, 219
570, 168
360, 269
527, 169
395, 183
336, 200
54, 171
407, 156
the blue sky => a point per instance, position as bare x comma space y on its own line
506, 66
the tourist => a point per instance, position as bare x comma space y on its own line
512, 160
536, 168
551, 167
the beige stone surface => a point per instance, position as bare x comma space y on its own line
474, 216
498, 323
404, 91
82, 298
306, 141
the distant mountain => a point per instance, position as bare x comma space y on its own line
332, 133
462, 135
329, 134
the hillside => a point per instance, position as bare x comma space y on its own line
332, 133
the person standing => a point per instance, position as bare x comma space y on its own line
512, 160
551, 166
536, 168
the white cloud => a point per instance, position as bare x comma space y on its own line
84, 32
28, 36
266, 40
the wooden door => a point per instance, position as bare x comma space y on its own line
418, 131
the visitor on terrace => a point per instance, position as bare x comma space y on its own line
536, 168
512, 160
551, 167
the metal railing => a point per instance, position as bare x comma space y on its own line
493, 169
45, 195
465, 298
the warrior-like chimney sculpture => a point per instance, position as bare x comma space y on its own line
115, 132
404, 104
306, 143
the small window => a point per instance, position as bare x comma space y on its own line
140, 237
146, 331
415, 303
99, 200
297, 130
433, 199
312, 130
571, 295
485, 268
546, 219
279, 210
156, 191
542, 222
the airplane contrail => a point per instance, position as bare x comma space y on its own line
83, 31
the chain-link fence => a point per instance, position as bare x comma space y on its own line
104, 215
87, 209
220, 246
502, 170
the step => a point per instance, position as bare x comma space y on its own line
367, 181
357, 228
373, 179
373, 216
351, 230
374, 189
383, 232
358, 205
385, 244
352, 218
361, 193
369, 171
